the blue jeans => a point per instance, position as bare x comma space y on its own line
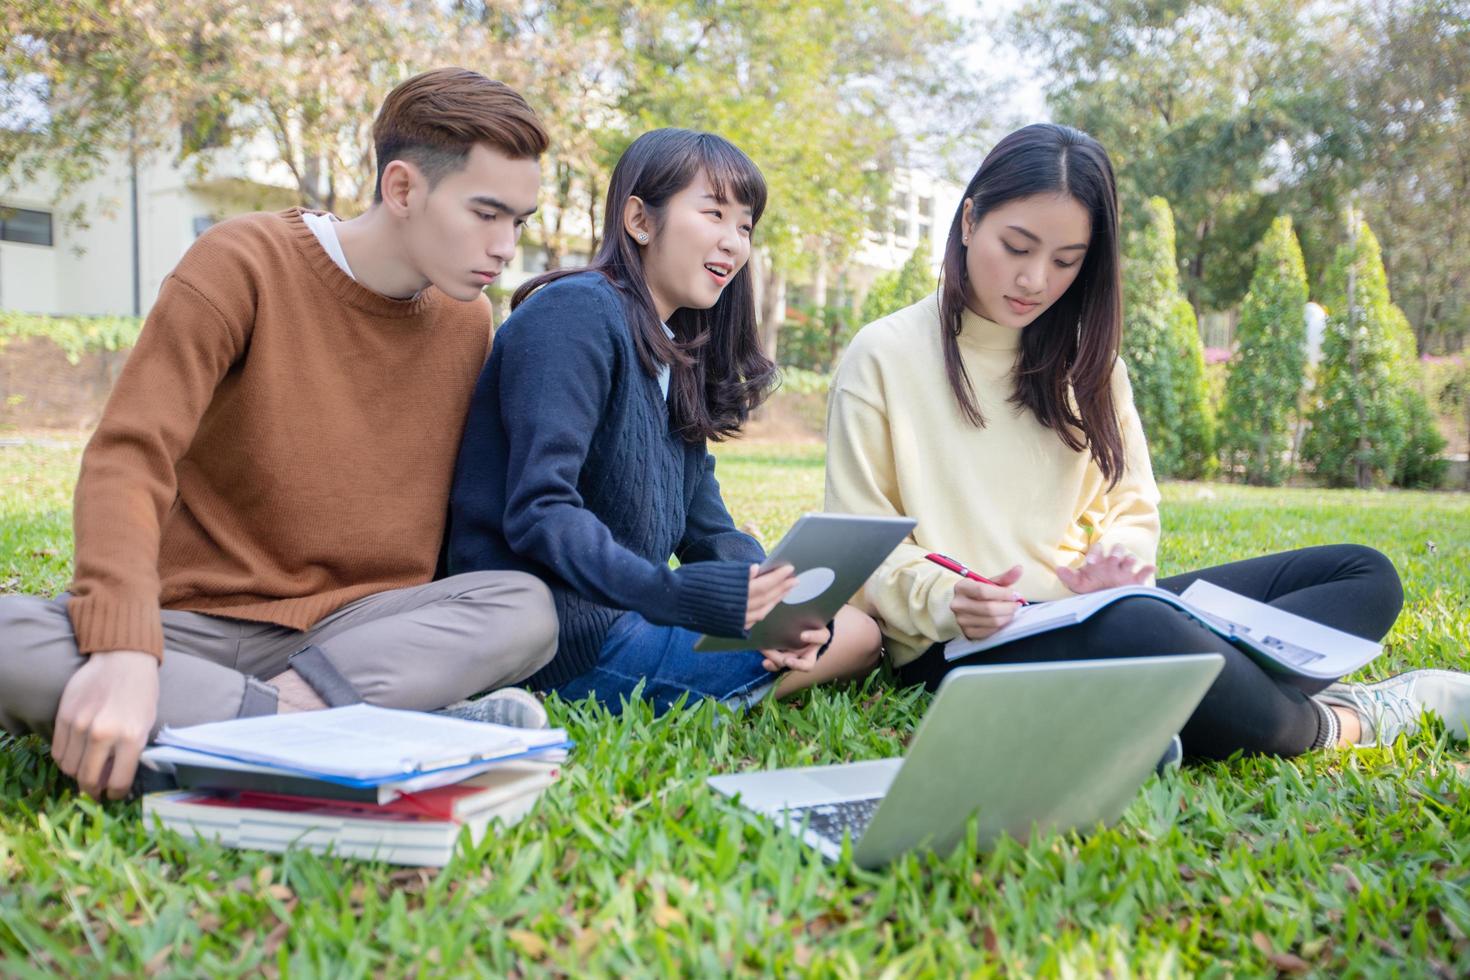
663, 660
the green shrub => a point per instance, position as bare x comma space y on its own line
1370, 423
75, 335
812, 337
1447, 386
896, 290
1162, 349
1191, 390
799, 381
1268, 371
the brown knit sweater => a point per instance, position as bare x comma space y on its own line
280, 442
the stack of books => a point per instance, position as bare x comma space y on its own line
364, 782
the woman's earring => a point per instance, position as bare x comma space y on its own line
642, 239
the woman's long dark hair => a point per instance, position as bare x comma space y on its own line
718, 371
1067, 353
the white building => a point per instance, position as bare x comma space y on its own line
114, 261
918, 216
136, 224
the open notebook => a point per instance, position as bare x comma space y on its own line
1279, 641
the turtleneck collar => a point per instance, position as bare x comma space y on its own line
978, 333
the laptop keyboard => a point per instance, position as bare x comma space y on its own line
830, 820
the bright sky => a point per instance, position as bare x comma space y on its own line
999, 60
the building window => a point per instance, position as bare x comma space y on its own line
924, 231
21, 225
202, 223
926, 207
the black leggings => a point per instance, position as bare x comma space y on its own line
1346, 586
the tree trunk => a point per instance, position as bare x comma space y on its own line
819, 281
837, 322
770, 299
592, 215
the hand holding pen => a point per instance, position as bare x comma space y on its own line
981, 605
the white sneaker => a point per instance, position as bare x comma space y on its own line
511, 706
1392, 707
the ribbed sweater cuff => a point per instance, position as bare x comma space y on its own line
104, 624
712, 597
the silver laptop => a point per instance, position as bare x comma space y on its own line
833, 555
1031, 748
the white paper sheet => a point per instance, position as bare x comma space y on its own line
358, 742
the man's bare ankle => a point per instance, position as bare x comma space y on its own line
294, 694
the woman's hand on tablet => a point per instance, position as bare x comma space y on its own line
981, 608
803, 658
766, 590
1106, 569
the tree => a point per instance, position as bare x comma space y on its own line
1369, 425
1191, 393
1268, 371
303, 79
1413, 87
1162, 349
83, 81
905, 287
1237, 112
1225, 108
812, 90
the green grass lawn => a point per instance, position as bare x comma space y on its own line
1338, 863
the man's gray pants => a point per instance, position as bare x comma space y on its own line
419, 648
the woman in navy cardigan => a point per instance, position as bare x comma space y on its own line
584, 458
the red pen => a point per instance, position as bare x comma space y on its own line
944, 561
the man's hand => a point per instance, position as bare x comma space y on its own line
107, 710
1105, 569
767, 589
981, 609
802, 658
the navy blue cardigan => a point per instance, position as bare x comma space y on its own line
568, 470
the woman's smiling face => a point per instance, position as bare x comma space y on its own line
701, 242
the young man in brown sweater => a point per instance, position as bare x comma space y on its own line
260, 512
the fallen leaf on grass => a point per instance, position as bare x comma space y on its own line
528, 942
413, 881
282, 893
157, 962
1283, 962
665, 915
275, 938
1452, 928
818, 926
1353, 884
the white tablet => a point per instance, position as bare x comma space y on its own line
833, 555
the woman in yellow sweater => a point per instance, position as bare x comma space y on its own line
999, 415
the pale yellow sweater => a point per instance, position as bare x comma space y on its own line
1009, 493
